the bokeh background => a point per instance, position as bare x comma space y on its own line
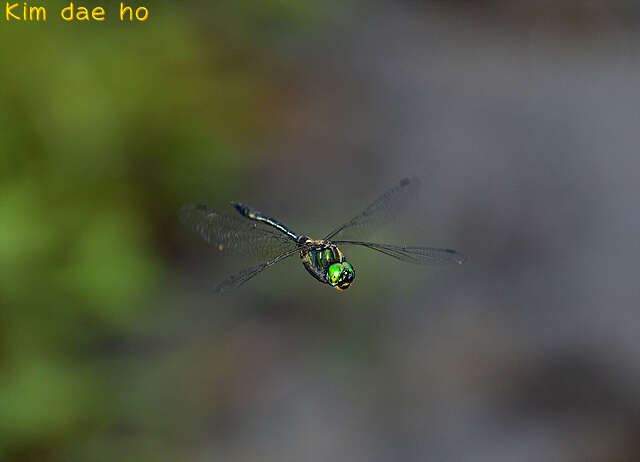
521, 117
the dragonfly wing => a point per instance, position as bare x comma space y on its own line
383, 210
234, 235
415, 255
239, 278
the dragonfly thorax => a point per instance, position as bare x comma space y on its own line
325, 262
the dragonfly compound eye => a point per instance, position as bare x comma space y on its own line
333, 273
346, 276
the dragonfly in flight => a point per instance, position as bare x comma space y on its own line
253, 232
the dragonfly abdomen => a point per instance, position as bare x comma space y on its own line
253, 214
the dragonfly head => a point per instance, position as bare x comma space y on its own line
341, 275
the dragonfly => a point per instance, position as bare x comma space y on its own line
254, 233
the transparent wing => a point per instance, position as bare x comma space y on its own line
416, 255
239, 278
383, 210
234, 235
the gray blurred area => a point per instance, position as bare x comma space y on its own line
523, 121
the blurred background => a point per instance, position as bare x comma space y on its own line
522, 119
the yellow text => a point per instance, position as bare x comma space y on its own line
81, 13
141, 13
29, 13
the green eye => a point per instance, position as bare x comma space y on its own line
333, 273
